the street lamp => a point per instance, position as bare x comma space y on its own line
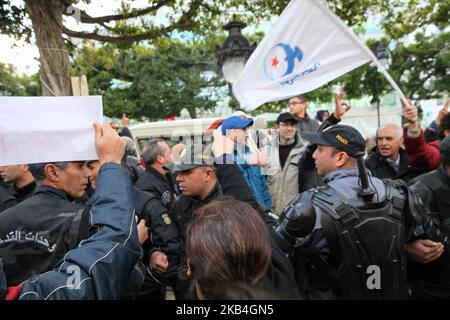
381, 54
234, 52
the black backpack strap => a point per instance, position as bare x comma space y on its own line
395, 193
334, 204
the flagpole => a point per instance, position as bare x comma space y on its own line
389, 78
365, 48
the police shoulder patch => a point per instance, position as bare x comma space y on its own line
166, 218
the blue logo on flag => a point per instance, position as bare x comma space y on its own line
281, 60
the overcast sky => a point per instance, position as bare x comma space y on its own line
24, 56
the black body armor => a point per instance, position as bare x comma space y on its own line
364, 240
362, 255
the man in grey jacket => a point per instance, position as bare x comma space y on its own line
284, 152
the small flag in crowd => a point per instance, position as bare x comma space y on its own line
308, 47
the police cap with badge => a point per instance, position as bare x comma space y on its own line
342, 137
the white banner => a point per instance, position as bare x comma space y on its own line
48, 129
308, 47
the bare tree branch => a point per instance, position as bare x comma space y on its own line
183, 21
85, 18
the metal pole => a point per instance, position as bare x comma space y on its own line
378, 111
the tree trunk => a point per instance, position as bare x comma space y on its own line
46, 16
192, 112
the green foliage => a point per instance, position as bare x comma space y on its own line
406, 16
165, 78
13, 21
13, 85
422, 68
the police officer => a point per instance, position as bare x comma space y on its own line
162, 254
37, 232
203, 178
99, 268
352, 231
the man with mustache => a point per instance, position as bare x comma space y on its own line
388, 159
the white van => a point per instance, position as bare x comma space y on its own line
173, 132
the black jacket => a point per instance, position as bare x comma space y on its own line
36, 233
134, 168
433, 279
183, 211
125, 132
6, 199
22, 193
234, 184
380, 167
157, 206
163, 232
157, 184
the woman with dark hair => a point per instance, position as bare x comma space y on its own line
228, 245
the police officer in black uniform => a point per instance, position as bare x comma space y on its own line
352, 231
161, 254
203, 178
36, 233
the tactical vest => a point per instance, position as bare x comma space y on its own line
366, 258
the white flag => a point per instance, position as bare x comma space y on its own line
308, 47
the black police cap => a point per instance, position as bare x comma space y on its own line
342, 137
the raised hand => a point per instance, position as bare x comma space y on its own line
341, 107
125, 121
410, 111
442, 113
110, 147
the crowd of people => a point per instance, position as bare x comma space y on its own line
304, 213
